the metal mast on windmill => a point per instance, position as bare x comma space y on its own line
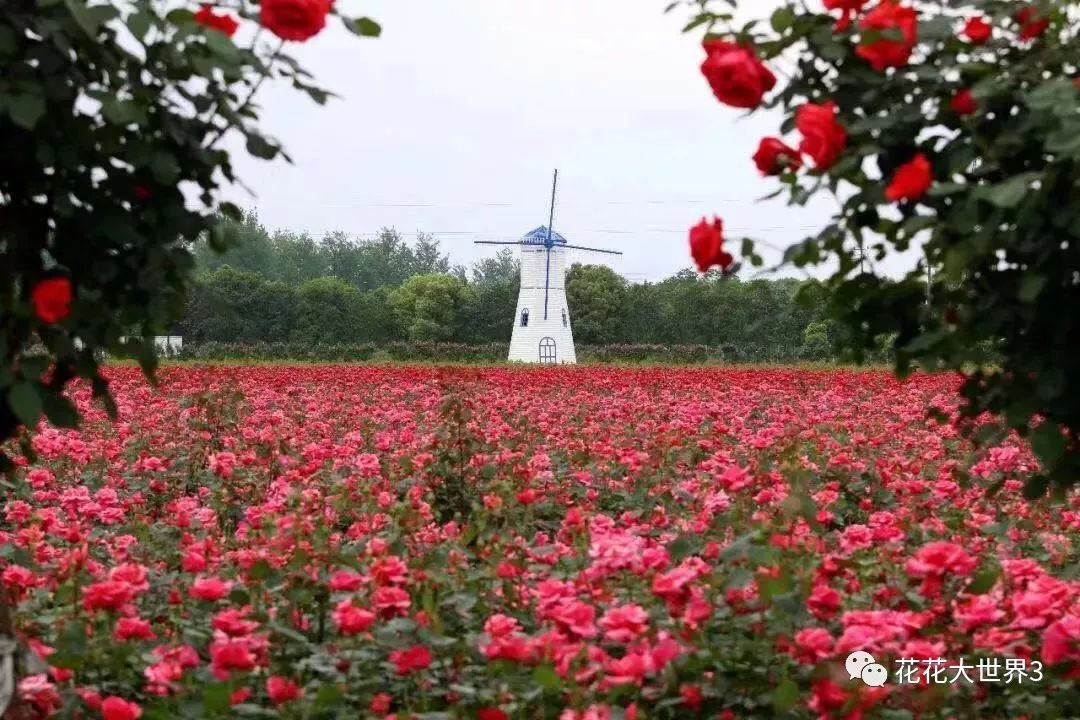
542, 331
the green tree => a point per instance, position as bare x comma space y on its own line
596, 296
297, 258
432, 307
326, 312
495, 281
248, 247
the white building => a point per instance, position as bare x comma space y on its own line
542, 332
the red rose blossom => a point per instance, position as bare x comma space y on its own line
707, 245
824, 139
210, 589
847, 9
296, 20
884, 21
773, 157
978, 30
282, 690
737, 77
1031, 25
116, 708
963, 103
222, 23
408, 661
52, 299
911, 180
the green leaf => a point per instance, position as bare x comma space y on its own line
1010, 193
26, 109
329, 695
786, 695
139, 23
1030, 286
364, 27
25, 403
943, 189
59, 410
1036, 486
984, 580
216, 698
546, 677
91, 17
782, 19
260, 147
164, 167
1048, 444
121, 112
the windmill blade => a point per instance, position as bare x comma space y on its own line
497, 242
579, 247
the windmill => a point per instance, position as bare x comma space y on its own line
542, 332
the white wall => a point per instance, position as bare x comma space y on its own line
525, 341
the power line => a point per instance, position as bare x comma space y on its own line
503, 236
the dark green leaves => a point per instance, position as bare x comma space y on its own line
260, 147
1009, 193
786, 695
363, 26
91, 17
1047, 443
24, 108
25, 402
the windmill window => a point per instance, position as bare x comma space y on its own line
564, 318
547, 350
525, 317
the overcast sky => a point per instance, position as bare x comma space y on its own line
454, 119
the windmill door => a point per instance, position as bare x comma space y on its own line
547, 350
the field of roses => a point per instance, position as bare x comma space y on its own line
573, 543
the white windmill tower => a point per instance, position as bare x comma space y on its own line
542, 332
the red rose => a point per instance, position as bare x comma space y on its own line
107, 595
884, 21
911, 180
408, 661
295, 19
824, 139
1031, 26
282, 690
222, 23
209, 589
737, 77
707, 245
773, 157
491, 713
115, 708
963, 103
847, 8
978, 30
52, 299
133, 628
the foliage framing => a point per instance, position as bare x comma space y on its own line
999, 226
110, 113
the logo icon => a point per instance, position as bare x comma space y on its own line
861, 664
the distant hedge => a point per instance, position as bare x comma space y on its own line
405, 351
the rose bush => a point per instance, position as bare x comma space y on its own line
111, 115
281, 542
951, 127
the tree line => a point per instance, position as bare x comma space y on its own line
290, 287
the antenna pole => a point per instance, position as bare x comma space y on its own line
547, 243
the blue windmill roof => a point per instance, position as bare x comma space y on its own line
539, 237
